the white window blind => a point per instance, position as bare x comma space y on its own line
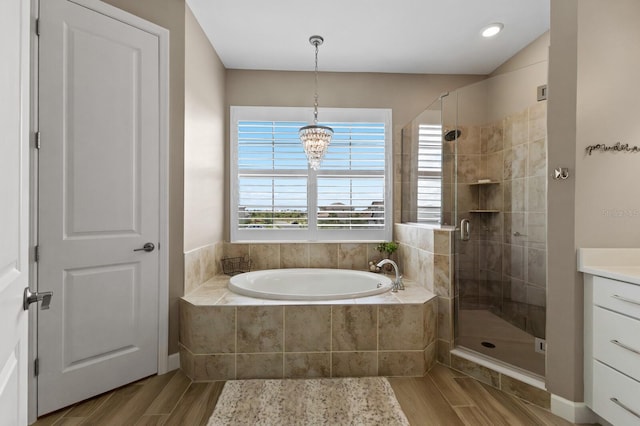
275, 196
429, 173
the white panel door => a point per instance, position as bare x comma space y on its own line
98, 202
14, 213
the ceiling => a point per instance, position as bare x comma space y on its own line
391, 36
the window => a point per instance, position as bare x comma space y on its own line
276, 197
429, 173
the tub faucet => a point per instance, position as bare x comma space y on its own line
397, 284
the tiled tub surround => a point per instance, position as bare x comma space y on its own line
200, 265
425, 259
424, 256
227, 336
304, 255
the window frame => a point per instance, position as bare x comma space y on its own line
430, 174
311, 234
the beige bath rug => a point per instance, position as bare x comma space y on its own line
348, 401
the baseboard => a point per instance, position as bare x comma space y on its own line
173, 362
575, 412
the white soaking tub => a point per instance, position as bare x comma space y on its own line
309, 284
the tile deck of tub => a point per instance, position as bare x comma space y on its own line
215, 292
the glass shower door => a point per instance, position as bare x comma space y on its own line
496, 172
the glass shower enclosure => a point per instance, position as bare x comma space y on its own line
492, 188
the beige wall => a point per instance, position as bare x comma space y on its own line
499, 96
608, 111
406, 94
534, 52
504, 91
170, 14
204, 125
593, 98
515, 91
564, 292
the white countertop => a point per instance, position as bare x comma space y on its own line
615, 263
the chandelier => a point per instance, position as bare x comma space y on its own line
315, 139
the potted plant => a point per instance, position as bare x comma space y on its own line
386, 249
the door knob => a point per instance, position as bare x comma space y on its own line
28, 298
146, 247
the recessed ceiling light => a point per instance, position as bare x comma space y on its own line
492, 30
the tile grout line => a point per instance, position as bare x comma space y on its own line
92, 412
331, 340
444, 396
284, 340
64, 414
184, 392
146, 411
377, 340
235, 345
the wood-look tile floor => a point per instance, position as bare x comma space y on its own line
443, 397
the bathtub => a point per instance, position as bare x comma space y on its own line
309, 284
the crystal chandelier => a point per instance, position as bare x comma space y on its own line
315, 139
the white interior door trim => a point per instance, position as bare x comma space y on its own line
14, 225
33, 208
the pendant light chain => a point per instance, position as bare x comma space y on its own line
315, 103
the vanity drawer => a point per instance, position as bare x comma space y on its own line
617, 296
615, 396
616, 341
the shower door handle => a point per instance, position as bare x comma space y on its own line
465, 229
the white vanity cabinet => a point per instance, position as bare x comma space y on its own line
612, 340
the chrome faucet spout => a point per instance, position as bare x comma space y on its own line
397, 284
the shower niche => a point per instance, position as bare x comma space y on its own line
489, 171
488, 196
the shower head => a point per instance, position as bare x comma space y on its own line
452, 135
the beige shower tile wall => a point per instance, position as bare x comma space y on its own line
200, 265
304, 255
425, 256
239, 342
523, 295
503, 267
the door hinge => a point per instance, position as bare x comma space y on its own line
36, 253
37, 140
36, 367
37, 27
